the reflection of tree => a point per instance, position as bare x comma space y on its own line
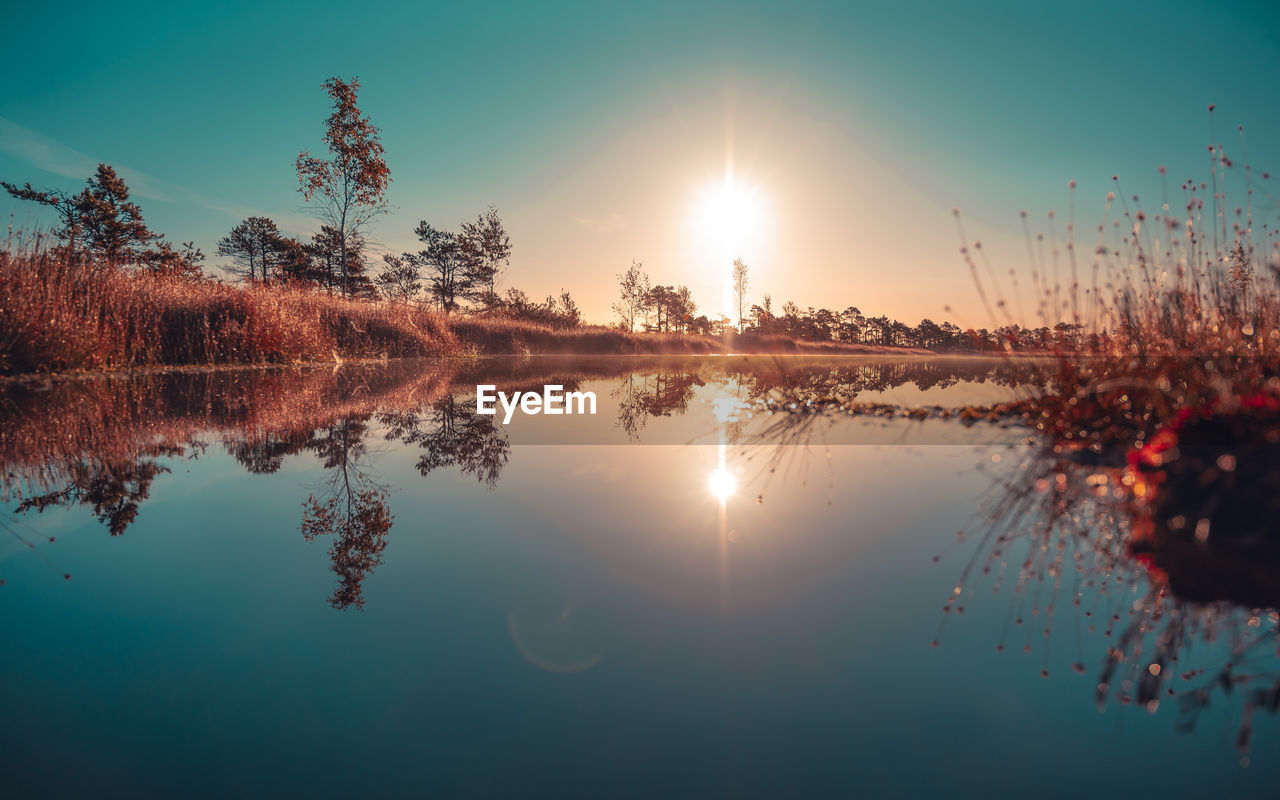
113, 489
671, 393
101, 444
350, 507
657, 395
631, 413
452, 435
843, 383
358, 520
263, 453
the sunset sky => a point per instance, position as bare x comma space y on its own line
595, 128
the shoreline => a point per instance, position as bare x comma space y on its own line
163, 369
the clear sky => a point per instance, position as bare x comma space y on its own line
596, 127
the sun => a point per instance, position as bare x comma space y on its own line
730, 216
722, 484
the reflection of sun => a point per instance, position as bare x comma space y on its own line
729, 215
722, 483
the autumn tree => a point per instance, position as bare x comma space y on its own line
349, 187
740, 283
253, 245
633, 288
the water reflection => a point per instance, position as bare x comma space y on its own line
451, 435
722, 482
658, 394
1167, 559
1169, 554
101, 443
349, 507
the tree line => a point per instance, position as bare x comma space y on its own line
666, 308
851, 326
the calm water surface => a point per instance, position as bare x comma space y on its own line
741, 577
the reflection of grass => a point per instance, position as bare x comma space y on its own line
1161, 415
1184, 623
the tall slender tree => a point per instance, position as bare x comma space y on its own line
740, 284
349, 187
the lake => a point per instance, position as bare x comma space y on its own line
742, 576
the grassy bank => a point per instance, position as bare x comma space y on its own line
59, 313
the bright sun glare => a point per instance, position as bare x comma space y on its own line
730, 215
722, 484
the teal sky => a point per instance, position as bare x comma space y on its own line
594, 127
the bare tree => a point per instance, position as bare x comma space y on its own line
740, 284
350, 186
633, 289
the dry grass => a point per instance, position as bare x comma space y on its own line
59, 313
1178, 310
